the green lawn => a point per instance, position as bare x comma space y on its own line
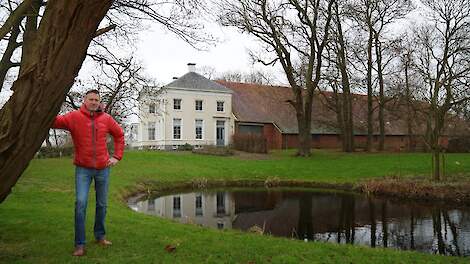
36, 220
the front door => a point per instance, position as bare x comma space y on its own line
220, 133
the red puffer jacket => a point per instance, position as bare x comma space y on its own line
89, 131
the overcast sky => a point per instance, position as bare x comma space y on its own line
165, 56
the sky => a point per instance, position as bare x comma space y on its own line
165, 56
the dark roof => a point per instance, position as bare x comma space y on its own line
254, 103
196, 82
268, 104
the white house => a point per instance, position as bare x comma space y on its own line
190, 110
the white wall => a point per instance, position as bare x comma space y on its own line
165, 114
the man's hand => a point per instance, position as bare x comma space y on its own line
112, 161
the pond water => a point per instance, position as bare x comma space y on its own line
321, 215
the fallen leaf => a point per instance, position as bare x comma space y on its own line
170, 248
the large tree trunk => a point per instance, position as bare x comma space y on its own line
438, 115
59, 48
346, 105
339, 118
436, 163
304, 118
305, 140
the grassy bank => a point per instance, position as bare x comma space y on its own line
36, 220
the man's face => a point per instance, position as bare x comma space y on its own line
92, 102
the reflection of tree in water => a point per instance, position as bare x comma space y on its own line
347, 219
412, 229
442, 224
384, 224
305, 216
437, 227
340, 218
373, 223
453, 230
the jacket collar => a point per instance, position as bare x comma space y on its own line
86, 112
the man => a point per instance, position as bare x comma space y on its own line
89, 127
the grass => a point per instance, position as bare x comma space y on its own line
36, 220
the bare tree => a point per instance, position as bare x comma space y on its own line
55, 40
124, 20
407, 88
374, 17
341, 101
256, 77
387, 13
59, 44
443, 61
294, 33
120, 82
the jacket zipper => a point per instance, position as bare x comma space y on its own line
93, 138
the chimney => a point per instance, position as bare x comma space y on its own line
191, 67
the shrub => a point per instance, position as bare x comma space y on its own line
214, 150
186, 146
54, 152
250, 142
460, 144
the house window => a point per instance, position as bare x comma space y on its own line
176, 128
151, 130
199, 124
199, 205
198, 105
177, 104
220, 106
176, 206
151, 205
220, 203
220, 225
152, 108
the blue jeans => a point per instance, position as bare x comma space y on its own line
83, 178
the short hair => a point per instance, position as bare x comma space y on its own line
93, 91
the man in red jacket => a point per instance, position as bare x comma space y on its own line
89, 127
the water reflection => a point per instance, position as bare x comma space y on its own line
323, 216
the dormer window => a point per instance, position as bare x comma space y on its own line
220, 106
152, 108
198, 105
177, 104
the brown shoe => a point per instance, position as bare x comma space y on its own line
104, 242
79, 251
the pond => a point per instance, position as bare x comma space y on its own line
322, 215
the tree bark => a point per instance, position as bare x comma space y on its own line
370, 110
29, 36
47, 74
409, 118
378, 55
303, 123
15, 17
6, 63
346, 104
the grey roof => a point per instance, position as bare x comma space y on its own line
196, 82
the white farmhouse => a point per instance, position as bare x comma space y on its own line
190, 110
